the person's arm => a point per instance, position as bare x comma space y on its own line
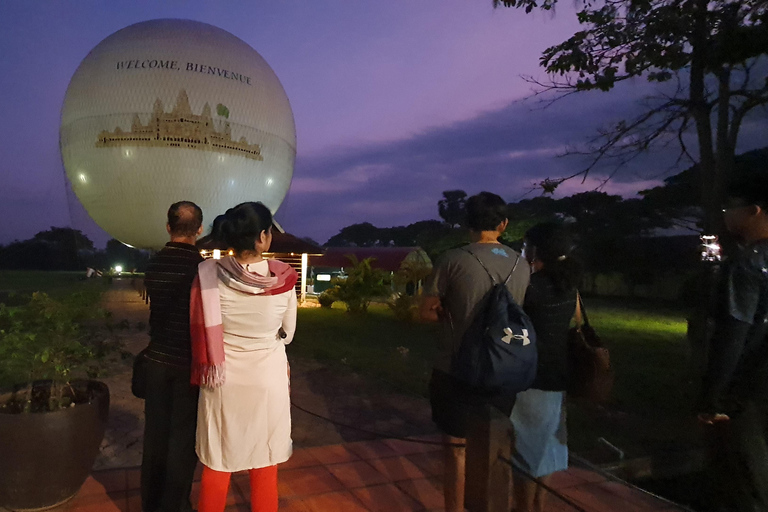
435, 287
725, 351
289, 318
738, 301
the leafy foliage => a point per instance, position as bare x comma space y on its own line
68, 249
328, 297
43, 340
412, 271
362, 284
714, 54
56, 248
404, 307
678, 198
452, 207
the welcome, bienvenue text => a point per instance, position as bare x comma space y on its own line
173, 65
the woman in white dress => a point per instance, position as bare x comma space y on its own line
243, 314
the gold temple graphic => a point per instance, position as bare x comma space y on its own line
180, 128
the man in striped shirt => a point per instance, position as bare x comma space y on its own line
170, 409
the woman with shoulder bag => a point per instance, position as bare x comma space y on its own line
538, 416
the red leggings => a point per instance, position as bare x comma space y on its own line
215, 485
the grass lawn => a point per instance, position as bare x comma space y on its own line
58, 284
368, 344
652, 399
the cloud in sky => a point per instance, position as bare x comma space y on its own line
506, 150
394, 103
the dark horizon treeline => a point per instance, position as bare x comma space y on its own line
63, 248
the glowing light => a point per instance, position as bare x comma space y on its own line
270, 181
323, 277
710, 248
118, 268
217, 254
83, 178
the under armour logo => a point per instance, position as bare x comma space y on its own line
510, 335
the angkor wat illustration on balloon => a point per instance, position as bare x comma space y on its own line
181, 128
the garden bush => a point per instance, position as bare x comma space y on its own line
328, 297
404, 307
362, 284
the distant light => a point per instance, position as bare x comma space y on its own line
323, 277
118, 268
83, 178
217, 254
710, 248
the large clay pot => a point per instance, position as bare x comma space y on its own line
46, 457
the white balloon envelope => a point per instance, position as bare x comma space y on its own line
170, 110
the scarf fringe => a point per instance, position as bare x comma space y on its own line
208, 376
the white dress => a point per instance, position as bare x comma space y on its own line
246, 423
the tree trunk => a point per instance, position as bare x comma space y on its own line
710, 177
710, 182
725, 148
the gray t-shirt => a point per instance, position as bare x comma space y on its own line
462, 285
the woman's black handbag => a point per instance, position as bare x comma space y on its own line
139, 377
590, 372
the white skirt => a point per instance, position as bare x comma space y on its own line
246, 423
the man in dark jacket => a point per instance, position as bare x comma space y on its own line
735, 389
169, 459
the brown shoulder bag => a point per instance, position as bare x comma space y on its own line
590, 372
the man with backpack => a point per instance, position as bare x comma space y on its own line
457, 294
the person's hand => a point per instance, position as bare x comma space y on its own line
712, 419
430, 309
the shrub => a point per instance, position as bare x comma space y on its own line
363, 283
404, 307
328, 297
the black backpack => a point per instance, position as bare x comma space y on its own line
498, 354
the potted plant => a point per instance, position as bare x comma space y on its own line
51, 422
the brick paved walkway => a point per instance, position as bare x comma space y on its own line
331, 469
347, 398
378, 476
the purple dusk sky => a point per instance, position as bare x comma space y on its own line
394, 102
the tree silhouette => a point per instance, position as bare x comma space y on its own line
711, 54
451, 207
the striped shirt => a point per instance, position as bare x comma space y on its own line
169, 279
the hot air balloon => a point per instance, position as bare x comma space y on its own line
169, 110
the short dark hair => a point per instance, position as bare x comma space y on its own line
748, 188
185, 218
485, 211
243, 224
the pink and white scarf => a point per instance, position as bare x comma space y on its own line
205, 309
